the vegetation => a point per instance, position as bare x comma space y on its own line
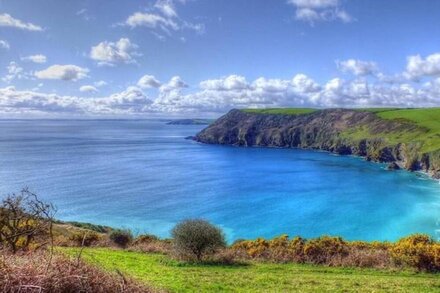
281, 111
39, 272
161, 271
88, 226
23, 217
121, 237
419, 252
195, 239
115, 259
427, 119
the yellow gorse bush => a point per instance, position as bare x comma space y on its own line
416, 251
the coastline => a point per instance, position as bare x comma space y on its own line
323, 130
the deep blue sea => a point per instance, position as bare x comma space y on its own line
143, 175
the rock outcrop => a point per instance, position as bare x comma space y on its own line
323, 130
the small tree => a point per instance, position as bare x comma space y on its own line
194, 239
121, 237
23, 217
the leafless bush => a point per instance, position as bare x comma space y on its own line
23, 217
28, 273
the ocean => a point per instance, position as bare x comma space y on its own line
144, 175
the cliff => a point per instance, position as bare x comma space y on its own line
342, 131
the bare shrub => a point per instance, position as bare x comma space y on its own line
29, 273
24, 217
85, 238
151, 243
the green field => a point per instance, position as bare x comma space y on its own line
428, 119
281, 111
161, 272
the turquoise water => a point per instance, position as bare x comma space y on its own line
145, 176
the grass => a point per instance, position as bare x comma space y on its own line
281, 111
162, 272
428, 119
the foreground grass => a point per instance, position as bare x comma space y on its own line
162, 272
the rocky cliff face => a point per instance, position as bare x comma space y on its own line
323, 130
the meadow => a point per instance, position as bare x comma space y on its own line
161, 272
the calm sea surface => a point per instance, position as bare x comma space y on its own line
145, 176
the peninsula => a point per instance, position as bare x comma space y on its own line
403, 138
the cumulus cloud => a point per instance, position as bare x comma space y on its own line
357, 67
218, 95
148, 81
313, 11
7, 20
62, 72
418, 67
4, 45
162, 18
128, 102
88, 89
39, 58
232, 82
14, 71
112, 53
175, 84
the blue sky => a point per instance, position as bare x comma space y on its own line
204, 57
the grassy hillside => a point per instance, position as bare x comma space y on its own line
428, 120
161, 272
281, 111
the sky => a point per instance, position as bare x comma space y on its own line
201, 58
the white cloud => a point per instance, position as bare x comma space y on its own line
150, 20
216, 96
88, 89
148, 81
111, 53
303, 84
313, 11
314, 4
15, 71
166, 7
4, 45
161, 19
357, 67
128, 102
39, 58
418, 67
63, 72
231, 82
100, 83
175, 84
7, 20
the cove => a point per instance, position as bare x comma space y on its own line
143, 175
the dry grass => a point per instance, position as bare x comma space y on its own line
30, 272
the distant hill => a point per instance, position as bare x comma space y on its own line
407, 138
190, 122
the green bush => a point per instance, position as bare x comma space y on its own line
121, 237
195, 239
